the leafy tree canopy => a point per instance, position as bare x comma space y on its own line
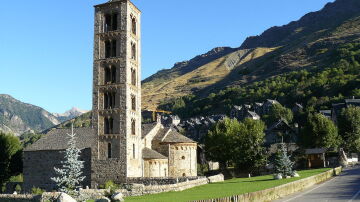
349, 128
319, 132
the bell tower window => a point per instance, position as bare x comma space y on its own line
133, 25
110, 48
133, 127
133, 102
133, 77
111, 22
108, 125
133, 51
109, 151
110, 75
109, 100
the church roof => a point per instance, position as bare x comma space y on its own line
170, 135
151, 154
58, 139
146, 128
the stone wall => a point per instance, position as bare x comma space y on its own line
39, 168
156, 168
182, 160
279, 191
19, 198
147, 181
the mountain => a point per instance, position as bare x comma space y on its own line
18, 117
70, 114
307, 43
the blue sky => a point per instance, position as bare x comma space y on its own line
46, 45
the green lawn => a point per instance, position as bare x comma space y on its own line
227, 188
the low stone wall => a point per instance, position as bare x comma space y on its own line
279, 191
160, 180
19, 198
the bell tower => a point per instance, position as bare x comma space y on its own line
117, 92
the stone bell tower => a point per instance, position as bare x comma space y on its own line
117, 92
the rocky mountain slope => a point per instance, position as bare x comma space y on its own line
301, 44
70, 114
18, 117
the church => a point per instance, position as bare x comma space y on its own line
118, 146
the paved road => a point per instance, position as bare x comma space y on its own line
345, 187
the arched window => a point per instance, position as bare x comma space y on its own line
111, 126
107, 75
109, 100
133, 102
111, 22
107, 25
113, 74
133, 51
133, 127
133, 77
109, 150
113, 48
106, 126
107, 49
133, 25
114, 21
134, 151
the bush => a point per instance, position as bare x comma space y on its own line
18, 188
37, 191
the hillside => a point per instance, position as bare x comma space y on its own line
18, 117
303, 44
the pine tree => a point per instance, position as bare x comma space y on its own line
283, 164
70, 176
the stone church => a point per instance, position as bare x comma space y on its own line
118, 147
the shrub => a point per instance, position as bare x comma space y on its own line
37, 191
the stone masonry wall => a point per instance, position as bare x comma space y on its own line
39, 168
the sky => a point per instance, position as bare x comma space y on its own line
46, 45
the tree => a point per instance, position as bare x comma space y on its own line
237, 142
283, 165
248, 151
70, 176
319, 132
349, 128
219, 141
10, 157
278, 112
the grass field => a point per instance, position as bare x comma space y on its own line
227, 188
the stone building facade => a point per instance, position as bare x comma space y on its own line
118, 147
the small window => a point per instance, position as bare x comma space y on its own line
133, 77
113, 48
113, 74
183, 157
109, 150
133, 151
114, 21
133, 25
184, 175
106, 126
133, 51
107, 49
107, 75
133, 102
133, 127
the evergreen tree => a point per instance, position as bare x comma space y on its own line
70, 176
283, 164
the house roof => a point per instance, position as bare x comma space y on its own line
151, 154
315, 151
278, 124
57, 139
253, 114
